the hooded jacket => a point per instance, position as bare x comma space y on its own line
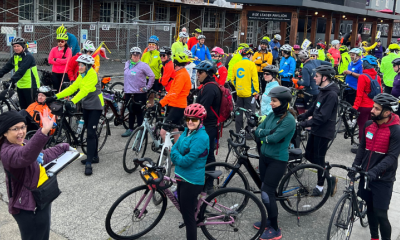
266, 108
210, 96
288, 65
308, 75
364, 88
379, 152
387, 69
323, 112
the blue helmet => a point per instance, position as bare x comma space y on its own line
206, 66
370, 59
153, 39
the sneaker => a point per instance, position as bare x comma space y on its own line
271, 234
88, 170
334, 181
127, 133
317, 193
257, 225
354, 148
95, 160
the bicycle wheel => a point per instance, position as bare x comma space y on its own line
125, 120
59, 136
341, 223
134, 148
5, 107
117, 86
232, 204
237, 180
123, 221
229, 120
30, 134
101, 132
296, 189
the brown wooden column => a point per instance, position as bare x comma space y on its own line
337, 27
313, 34
283, 32
390, 33
293, 28
374, 31
328, 29
354, 32
243, 26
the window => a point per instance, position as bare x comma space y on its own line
349, 28
63, 10
130, 12
115, 12
46, 12
213, 19
26, 9
366, 28
387, 4
105, 12
250, 32
377, 3
162, 13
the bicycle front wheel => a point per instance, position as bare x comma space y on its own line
133, 215
238, 209
341, 223
134, 148
101, 132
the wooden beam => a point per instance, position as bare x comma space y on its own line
313, 29
374, 29
328, 29
243, 26
293, 28
354, 33
283, 32
337, 29
390, 33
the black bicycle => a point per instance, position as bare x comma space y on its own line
8, 98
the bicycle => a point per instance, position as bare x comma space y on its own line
8, 98
231, 210
106, 83
115, 107
349, 207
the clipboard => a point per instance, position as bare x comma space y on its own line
58, 164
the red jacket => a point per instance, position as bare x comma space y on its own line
73, 68
191, 42
167, 74
363, 88
222, 74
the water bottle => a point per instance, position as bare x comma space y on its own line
354, 122
119, 105
80, 126
162, 112
253, 100
116, 106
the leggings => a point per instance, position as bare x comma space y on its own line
187, 195
57, 78
135, 110
365, 115
378, 218
34, 226
26, 96
315, 153
271, 172
91, 118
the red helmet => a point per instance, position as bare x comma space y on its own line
195, 111
218, 50
322, 45
296, 47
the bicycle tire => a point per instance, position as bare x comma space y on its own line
290, 191
102, 127
229, 121
226, 168
116, 233
125, 117
30, 134
114, 85
221, 196
125, 159
344, 215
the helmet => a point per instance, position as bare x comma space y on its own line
303, 54
394, 46
325, 70
153, 39
61, 29
245, 51
197, 30
286, 48
88, 46
378, 40
277, 37
322, 45
387, 100
85, 59
343, 48
218, 50
206, 66
46, 90
195, 110
335, 42
371, 60
313, 51
183, 35
364, 43
165, 50
296, 47
135, 50
188, 53
181, 57
201, 37
243, 45
271, 69
18, 40
266, 38
62, 36
356, 51
398, 39
281, 93
264, 41
396, 61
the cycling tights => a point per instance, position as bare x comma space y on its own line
378, 218
91, 118
135, 110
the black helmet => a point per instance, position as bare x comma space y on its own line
325, 70
396, 61
271, 69
246, 51
264, 41
46, 90
165, 50
387, 100
281, 93
206, 66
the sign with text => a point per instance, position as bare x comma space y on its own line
305, 44
105, 27
28, 28
84, 35
92, 27
270, 16
32, 47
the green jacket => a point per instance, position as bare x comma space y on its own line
178, 47
387, 69
276, 145
344, 62
321, 54
235, 59
153, 59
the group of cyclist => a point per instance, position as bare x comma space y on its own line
266, 74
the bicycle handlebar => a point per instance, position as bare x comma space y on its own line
171, 126
355, 170
152, 165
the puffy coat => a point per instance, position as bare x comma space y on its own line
364, 88
266, 108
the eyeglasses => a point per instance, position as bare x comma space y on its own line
267, 73
214, 55
163, 55
194, 120
152, 44
313, 56
200, 72
17, 129
61, 41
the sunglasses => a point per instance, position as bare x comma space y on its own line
214, 55
194, 120
200, 72
152, 44
267, 73
135, 53
163, 55
61, 41
313, 56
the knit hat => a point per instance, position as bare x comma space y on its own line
9, 119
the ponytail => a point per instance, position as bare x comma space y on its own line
65, 48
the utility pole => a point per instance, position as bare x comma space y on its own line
394, 7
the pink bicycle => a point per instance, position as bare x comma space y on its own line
228, 213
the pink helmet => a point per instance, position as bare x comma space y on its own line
218, 50
195, 111
296, 47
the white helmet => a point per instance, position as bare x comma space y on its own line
183, 35
201, 37
86, 59
89, 46
188, 53
313, 51
335, 42
135, 50
278, 37
286, 47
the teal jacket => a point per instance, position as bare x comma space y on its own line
189, 154
276, 145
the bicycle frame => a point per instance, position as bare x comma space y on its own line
167, 145
119, 116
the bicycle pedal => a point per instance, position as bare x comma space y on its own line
181, 225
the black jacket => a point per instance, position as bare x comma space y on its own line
323, 112
28, 61
210, 96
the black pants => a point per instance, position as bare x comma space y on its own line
315, 153
26, 96
388, 90
287, 84
57, 78
263, 83
350, 96
91, 118
212, 134
187, 195
243, 103
34, 226
135, 109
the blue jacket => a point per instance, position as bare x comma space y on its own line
265, 104
189, 154
308, 75
288, 65
275, 52
201, 53
73, 43
356, 68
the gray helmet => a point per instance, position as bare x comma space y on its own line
18, 40
201, 37
313, 51
277, 37
303, 54
272, 69
281, 93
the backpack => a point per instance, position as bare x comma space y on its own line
375, 87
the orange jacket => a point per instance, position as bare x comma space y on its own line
167, 75
36, 108
180, 88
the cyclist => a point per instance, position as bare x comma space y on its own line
262, 59
190, 68
378, 50
194, 40
26, 76
245, 80
167, 70
152, 58
323, 122
180, 46
334, 51
387, 68
287, 66
366, 48
73, 68
237, 57
396, 81
189, 155
321, 51
295, 55
377, 154
209, 97
352, 73
345, 59
275, 133
59, 57
200, 51
313, 54
72, 40
176, 99
217, 54
275, 46
271, 77
136, 86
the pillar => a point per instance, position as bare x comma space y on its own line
243, 26
390, 33
337, 28
283, 32
313, 34
328, 29
354, 32
293, 28
374, 31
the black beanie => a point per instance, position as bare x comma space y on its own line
9, 119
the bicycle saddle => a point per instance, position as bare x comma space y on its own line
295, 151
214, 174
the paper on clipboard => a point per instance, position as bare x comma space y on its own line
58, 164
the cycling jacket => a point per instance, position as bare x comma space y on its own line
167, 74
364, 88
178, 47
387, 69
344, 62
321, 55
180, 88
288, 65
222, 74
235, 59
191, 42
356, 68
367, 49
152, 58
335, 54
60, 64
262, 60
245, 78
266, 108
73, 67
201, 53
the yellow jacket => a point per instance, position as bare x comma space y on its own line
262, 60
245, 78
367, 49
